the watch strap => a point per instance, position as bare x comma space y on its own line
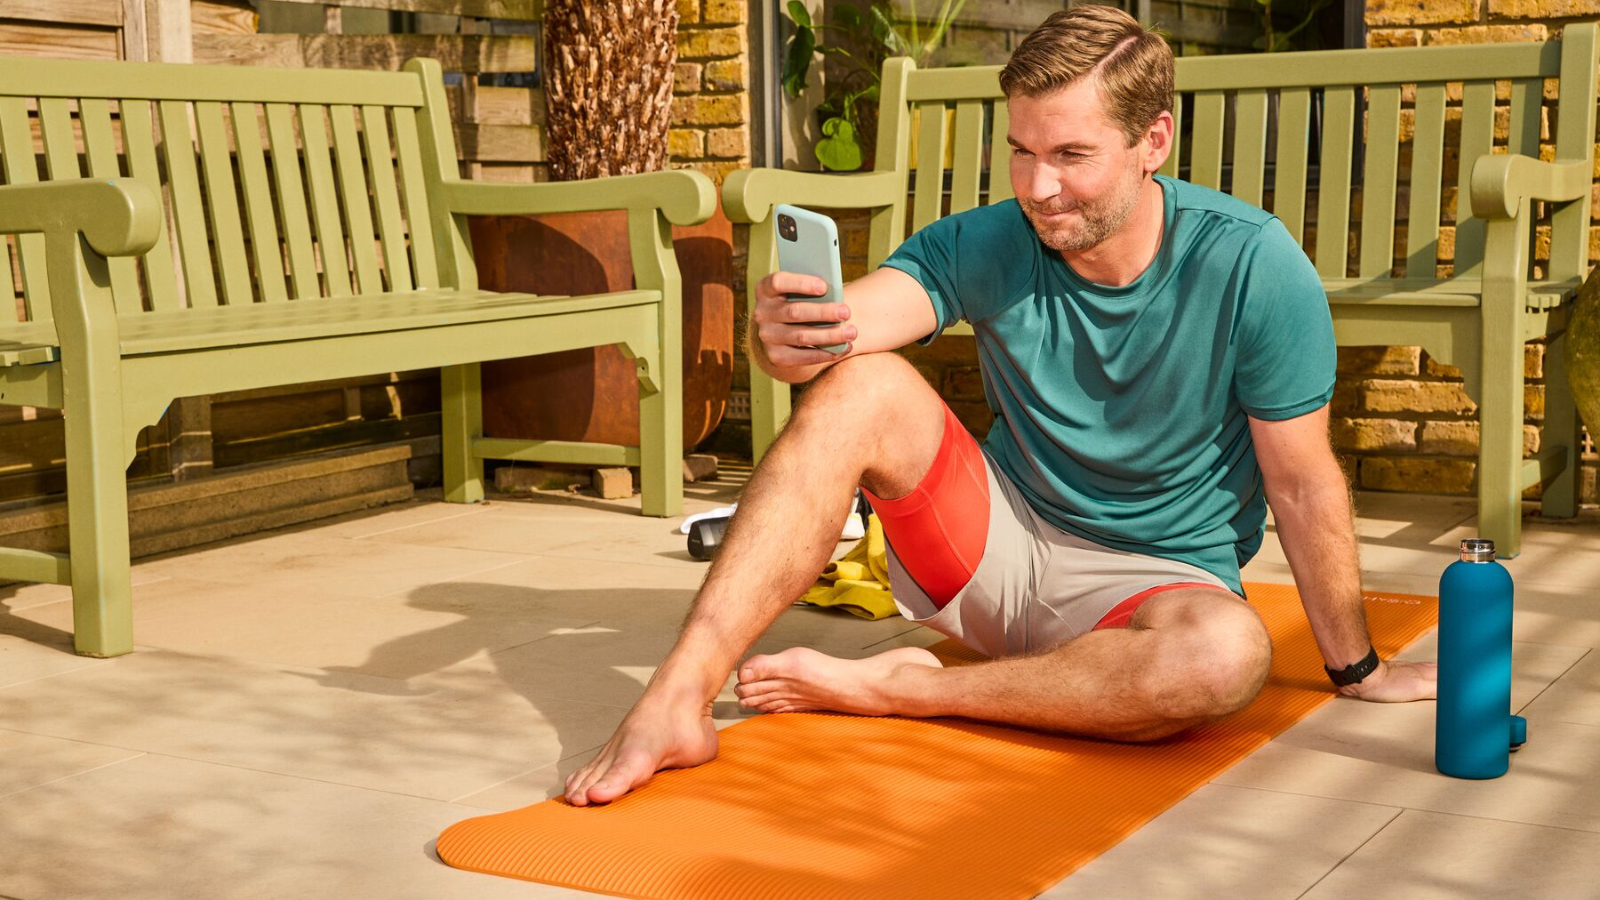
1356, 671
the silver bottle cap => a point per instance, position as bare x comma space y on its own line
1477, 550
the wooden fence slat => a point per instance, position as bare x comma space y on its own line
357, 203
1379, 180
470, 54
222, 202
258, 209
1289, 177
524, 10
106, 13
324, 201
188, 210
1427, 164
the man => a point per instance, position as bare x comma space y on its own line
1159, 358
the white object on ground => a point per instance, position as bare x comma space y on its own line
853, 530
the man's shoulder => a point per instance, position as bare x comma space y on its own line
1227, 210
1003, 218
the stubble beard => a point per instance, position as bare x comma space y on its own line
1096, 221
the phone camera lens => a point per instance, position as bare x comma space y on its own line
787, 229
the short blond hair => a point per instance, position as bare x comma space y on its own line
1132, 64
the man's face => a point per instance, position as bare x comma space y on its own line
1071, 168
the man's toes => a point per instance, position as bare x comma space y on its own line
621, 778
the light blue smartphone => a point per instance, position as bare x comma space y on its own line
808, 243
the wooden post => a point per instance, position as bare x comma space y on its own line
135, 43
168, 32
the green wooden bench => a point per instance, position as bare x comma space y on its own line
1240, 106
317, 230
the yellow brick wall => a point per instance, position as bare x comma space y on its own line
711, 102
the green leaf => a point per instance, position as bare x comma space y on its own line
799, 13
883, 29
838, 150
847, 16
797, 62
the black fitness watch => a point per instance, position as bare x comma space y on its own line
1356, 671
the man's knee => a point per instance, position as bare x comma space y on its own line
1220, 653
872, 380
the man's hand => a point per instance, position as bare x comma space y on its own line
778, 322
1397, 682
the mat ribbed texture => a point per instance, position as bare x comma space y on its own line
810, 806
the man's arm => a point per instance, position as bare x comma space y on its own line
1311, 508
885, 310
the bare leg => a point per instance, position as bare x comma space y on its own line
1190, 656
868, 420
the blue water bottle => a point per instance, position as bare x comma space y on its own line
1475, 731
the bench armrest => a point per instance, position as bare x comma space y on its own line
684, 196
119, 217
1502, 183
749, 194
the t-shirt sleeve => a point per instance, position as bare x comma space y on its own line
1286, 354
930, 257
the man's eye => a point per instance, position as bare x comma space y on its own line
1018, 151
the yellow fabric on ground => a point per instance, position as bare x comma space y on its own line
858, 582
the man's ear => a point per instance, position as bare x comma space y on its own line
1158, 142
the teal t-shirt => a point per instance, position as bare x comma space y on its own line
1121, 412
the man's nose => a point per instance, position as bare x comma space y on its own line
1042, 184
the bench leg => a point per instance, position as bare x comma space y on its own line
461, 407
97, 515
1500, 416
661, 431
769, 398
1561, 429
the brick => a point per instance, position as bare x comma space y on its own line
1346, 399
1372, 435
688, 12
1435, 369
1589, 491
704, 110
1533, 402
1394, 37
1379, 360
1542, 9
613, 483
1533, 360
1489, 34
728, 143
724, 12
976, 417
854, 240
686, 143
1417, 474
962, 383
1421, 12
699, 467
686, 77
726, 75
1382, 395
710, 43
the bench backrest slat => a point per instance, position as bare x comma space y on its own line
187, 206
1293, 148
1379, 181
287, 177
386, 196
1574, 139
930, 165
222, 202
414, 190
1333, 195
265, 246
1250, 147
967, 163
138, 137
324, 193
1320, 139
1477, 139
278, 185
357, 202
1426, 186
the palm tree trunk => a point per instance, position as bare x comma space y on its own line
608, 85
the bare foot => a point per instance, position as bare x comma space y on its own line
651, 738
800, 679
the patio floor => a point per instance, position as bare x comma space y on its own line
308, 708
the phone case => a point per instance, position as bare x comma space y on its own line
813, 251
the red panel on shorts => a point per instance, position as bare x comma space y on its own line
1121, 614
940, 529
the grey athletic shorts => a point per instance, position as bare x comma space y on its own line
1036, 586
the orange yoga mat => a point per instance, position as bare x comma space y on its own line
811, 806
